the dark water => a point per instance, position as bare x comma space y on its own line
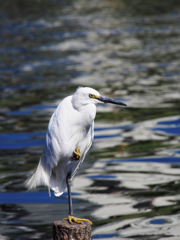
129, 184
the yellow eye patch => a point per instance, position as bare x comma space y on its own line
92, 96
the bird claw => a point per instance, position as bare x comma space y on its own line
76, 220
76, 153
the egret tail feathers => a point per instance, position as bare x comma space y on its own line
58, 185
39, 177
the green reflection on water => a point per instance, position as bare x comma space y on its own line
172, 187
145, 147
148, 7
156, 211
30, 8
27, 98
139, 114
140, 148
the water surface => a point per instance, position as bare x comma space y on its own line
128, 50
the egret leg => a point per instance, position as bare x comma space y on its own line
71, 218
68, 182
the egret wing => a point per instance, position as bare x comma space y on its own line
58, 135
89, 141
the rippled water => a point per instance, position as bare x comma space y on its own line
129, 184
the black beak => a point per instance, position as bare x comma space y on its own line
109, 100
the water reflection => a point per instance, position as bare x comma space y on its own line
134, 228
21, 140
30, 197
129, 184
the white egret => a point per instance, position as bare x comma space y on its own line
68, 138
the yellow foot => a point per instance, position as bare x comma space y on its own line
76, 220
76, 153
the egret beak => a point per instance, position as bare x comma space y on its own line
109, 100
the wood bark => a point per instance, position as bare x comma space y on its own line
63, 230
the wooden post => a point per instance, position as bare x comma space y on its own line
63, 230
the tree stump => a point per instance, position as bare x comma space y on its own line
63, 230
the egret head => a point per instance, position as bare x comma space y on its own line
87, 95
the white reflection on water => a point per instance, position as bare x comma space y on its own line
159, 226
162, 225
130, 175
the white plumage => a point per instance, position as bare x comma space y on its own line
71, 126
68, 138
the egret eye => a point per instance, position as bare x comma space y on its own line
91, 96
